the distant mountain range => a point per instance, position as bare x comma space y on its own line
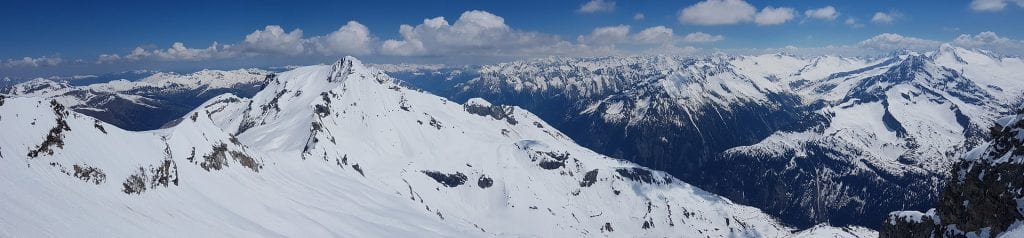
808, 139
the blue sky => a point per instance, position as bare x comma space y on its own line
66, 37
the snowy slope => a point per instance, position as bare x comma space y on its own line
337, 150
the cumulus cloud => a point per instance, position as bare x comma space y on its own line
657, 34
993, 5
884, 18
701, 37
43, 61
352, 38
717, 12
108, 58
774, 16
891, 41
178, 51
728, 12
606, 35
273, 39
595, 6
991, 41
825, 13
639, 17
474, 33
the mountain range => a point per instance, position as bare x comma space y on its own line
769, 145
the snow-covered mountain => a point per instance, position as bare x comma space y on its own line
983, 197
148, 103
818, 139
339, 150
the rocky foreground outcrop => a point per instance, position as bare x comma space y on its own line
985, 197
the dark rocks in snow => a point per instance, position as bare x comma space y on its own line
273, 104
549, 165
589, 178
246, 161
358, 169
484, 181
448, 180
607, 227
435, 123
217, 159
56, 135
494, 111
322, 110
637, 174
165, 174
98, 126
136, 183
89, 174
550, 160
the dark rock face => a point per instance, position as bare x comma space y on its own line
897, 226
136, 183
448, 180
494, 111
589, 178
56, 135
217, 159
820, 186
985, 192
484, 181
89, 174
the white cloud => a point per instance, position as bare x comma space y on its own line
606, 35
657, 34
43, 61
137, 54
273, 39
639, 17
352, 38
852, 22
991, 41
884, 18
179, 51
108, 58
993, 5
701, 37
474, 33
825, 13
717, 12
728, 12
774, 16
891, 41
595, 6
